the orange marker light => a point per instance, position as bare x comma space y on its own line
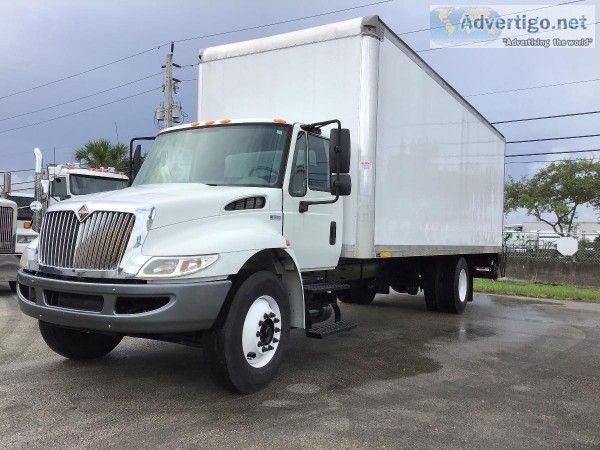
288, 243
279, 120
27, 225
195, 124
209, 122
71, 167
225, 120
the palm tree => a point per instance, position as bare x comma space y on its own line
101, 153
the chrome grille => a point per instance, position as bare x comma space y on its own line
98, 243
6, 229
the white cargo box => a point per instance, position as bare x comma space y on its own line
427, 168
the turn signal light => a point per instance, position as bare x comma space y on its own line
27, 225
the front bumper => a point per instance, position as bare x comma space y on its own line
189, 306
9, 265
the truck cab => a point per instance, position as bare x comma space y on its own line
71, 180
238, 208
9, 260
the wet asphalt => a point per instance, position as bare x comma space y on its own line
509, 373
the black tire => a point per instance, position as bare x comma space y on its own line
13, 286
75, 344
357, 294
456, 288
223, 351
433, 287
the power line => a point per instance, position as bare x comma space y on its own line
81, 73
553, 153
546, 117
281, 22
492, 40
79, 112
545, 161
81, 98
20, 170
533, 87
190, 39
503, 15
555, 139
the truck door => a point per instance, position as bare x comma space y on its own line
314, 235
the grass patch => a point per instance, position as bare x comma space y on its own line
536, 290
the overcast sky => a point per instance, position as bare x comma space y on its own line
45, 40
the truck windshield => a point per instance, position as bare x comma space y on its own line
219, 155
84, 184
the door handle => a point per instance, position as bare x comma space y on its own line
332, 233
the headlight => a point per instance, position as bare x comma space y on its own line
23, 262
161, 267
25, 238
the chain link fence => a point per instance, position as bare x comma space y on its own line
520, 245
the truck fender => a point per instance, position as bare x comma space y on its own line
282, 262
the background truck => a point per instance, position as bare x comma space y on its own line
369, 172
57, 182
9, 261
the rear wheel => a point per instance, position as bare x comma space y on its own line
245, 348
433, 288
360, 294
457, 285
75, 344
13, 286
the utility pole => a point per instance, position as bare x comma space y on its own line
169, 112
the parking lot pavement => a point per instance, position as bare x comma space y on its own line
508, 373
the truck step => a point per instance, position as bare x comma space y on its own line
329, 329
325, 287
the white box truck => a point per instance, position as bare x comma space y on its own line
366, 172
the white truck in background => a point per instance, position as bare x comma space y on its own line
58, 182
71, 180
366, 172
8, 232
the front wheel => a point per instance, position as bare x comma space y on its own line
75, 344
245, 348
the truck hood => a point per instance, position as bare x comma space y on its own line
181, 202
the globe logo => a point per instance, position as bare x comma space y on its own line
453, 25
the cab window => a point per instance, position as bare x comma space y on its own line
318, 163
298, 176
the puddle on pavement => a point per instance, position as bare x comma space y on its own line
518, 301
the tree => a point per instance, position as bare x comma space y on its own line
555, 192
101, 153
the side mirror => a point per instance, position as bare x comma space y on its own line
340, 139
45, 188
344, 184
137, 160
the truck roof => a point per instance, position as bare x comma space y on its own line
65, 169
228, 121
369, 25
